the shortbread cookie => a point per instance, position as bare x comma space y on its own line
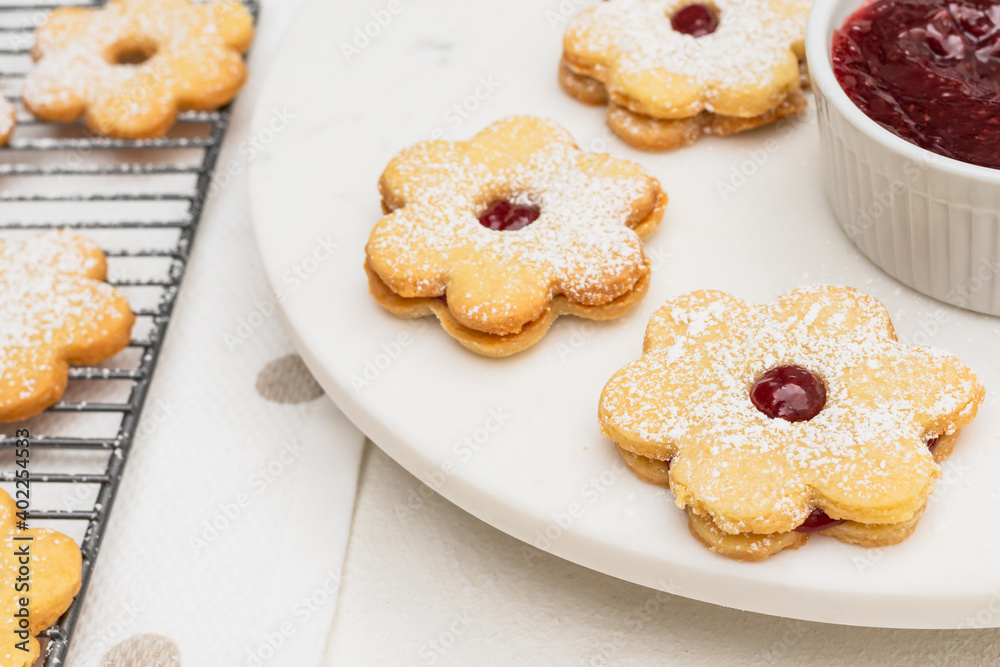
129, 67
55, 311
672, 71
53, 564
658, 135
499, 235
771, 423
8, 119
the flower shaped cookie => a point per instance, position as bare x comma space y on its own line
53, 564
757, 451
130, 66
499, 235
669, 79
8, 119
54, 311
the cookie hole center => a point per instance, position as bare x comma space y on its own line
696, 19
505, 215
133, 53
790, 392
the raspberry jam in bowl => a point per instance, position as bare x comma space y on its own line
908, 93
928, 71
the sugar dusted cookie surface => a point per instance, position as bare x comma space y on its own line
712, 410
55, 565
499, 235
129, 67
666, 87
8, 119
54, 311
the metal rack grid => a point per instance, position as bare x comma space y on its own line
54, 176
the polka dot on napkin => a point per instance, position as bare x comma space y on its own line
287, 380
144, 650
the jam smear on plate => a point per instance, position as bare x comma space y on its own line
505, 216
928, 71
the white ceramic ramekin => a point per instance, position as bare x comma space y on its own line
929, 221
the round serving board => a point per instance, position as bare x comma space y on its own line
516, 441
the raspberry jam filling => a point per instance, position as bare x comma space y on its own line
791, 393
933, 443
817, 521
696, 20
927, 71
505, 216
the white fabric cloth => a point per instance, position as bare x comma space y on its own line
234, 512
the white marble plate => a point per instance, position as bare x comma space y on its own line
516, 441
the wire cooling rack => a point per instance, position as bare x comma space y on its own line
56, 176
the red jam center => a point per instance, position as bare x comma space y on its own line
696, 20
817, 521
505, 216
791, 393
932, 444
928, 71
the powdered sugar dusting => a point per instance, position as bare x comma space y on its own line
635, 41
189, 59
580, 246
8, 118
46, 303
688, 398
